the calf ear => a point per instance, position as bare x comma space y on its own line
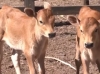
29, 12
99, 21
47, 5
99, 25
73, 20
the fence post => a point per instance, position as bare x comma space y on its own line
86, 2
29, 4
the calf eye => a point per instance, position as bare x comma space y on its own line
81, 30
41, 22
96, 30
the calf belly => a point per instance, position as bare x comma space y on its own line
15, 44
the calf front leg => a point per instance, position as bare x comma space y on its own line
77, 57
1, 54
30, 60
98, 64
16, 60
85, 63
78, 62
41, 66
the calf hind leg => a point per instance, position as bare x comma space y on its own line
16, 60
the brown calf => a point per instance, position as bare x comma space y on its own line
87, 38
26, 33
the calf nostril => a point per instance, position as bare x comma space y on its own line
88, 45
51, 35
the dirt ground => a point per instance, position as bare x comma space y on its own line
62, 46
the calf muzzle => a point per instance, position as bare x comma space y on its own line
51, 35
88, 45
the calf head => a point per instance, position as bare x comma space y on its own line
45, 20
88, 28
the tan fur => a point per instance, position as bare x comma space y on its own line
86, 11
88, 32
28, 34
